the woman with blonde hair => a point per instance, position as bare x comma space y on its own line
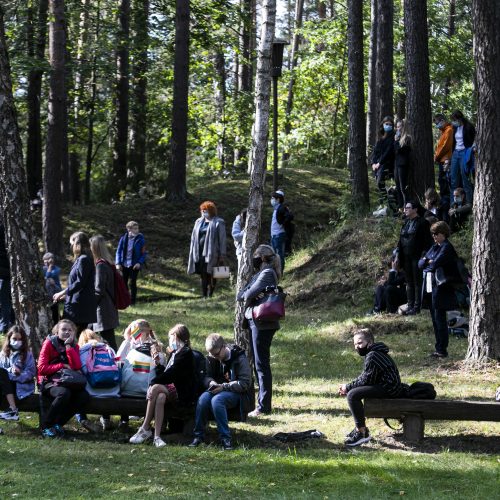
208, 246
402, 150
268, 266
80, 302
107, 314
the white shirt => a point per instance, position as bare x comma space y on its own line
459, 138
275, 227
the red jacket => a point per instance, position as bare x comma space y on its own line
49, 360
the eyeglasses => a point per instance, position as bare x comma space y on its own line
434, 234
408, 207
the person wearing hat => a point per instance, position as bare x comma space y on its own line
278, 233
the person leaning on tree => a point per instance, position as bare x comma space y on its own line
379, 379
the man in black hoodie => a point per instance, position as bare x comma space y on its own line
379, 379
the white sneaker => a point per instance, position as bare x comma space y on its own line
106, 423
381, 213
158, 442
140, 436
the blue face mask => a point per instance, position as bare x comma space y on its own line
173, 345
387, 128
455, 123
439, 125
274, 202
457, 200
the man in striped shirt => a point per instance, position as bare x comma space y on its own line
379, 379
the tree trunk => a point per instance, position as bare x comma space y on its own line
258, 162
418, 97
372, 115
299, 11
401, 77
220, 106
28, 293
176, 181
52, 217
484, 336
356, 155
451, 33
138, 126
36, 51
322, 9
118, 179
385, 54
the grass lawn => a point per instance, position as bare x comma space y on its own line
330, 281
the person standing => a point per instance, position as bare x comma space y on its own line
237, 232
463, 139
80, 304
107, 314
402, 149
441, 256
414, 240
278, 230
267, 264
442, 156
131, 256
208, 246
51, 274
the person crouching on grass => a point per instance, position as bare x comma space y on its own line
379, 379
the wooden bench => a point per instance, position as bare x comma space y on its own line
414, 412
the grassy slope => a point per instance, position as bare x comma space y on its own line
330, 280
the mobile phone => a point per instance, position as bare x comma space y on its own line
212, 388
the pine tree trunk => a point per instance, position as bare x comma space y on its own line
138, 119
451, 33
299, 11
258, 162
372, 115
220, 106
52, 217
28, 293
484, 336
385, 55
36, 51
357, 128
176, 181
418, 105
118, 178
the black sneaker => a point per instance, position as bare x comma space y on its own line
196, 442
350, 434
226, 444
358, 438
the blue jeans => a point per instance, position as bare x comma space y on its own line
5, 305
216, 405
261, 344
458, 176
278, 243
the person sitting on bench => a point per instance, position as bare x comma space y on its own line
379, 379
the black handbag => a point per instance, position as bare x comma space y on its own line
71, 379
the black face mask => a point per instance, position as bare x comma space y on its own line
362, 351
256, 261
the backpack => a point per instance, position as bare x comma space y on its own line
421, 390
200, 371
463, 272
122, 297
288, 224
102, 370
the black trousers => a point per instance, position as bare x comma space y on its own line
207, 280
354, 397
109, 337
389, 298
6, 385
440, 330
402, 188
130, 274
414, 279
64, 403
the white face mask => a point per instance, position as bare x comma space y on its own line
205, 214
16, 344
274, 202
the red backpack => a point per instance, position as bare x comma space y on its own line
122, 295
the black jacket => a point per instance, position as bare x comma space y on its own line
379, 369
180, 371
402, 155
383, 152
4, 258
415, 239
469, 135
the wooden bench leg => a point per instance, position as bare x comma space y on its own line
413, 427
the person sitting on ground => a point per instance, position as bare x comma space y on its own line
86, 342
459, 211
390, 292
237, 232
433, 211
51, 274
131, 256
414, 240
379, 379
17, 370
174, 383
229, 385
60, 351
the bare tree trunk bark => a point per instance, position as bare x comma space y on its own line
176, 181
484, 336
258, 162
33, 100
372, 116
138, 126
220, 106
385, 54
52, 217
418, 97
356, 155
451, 33
29, 298
118, 179
299, 11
